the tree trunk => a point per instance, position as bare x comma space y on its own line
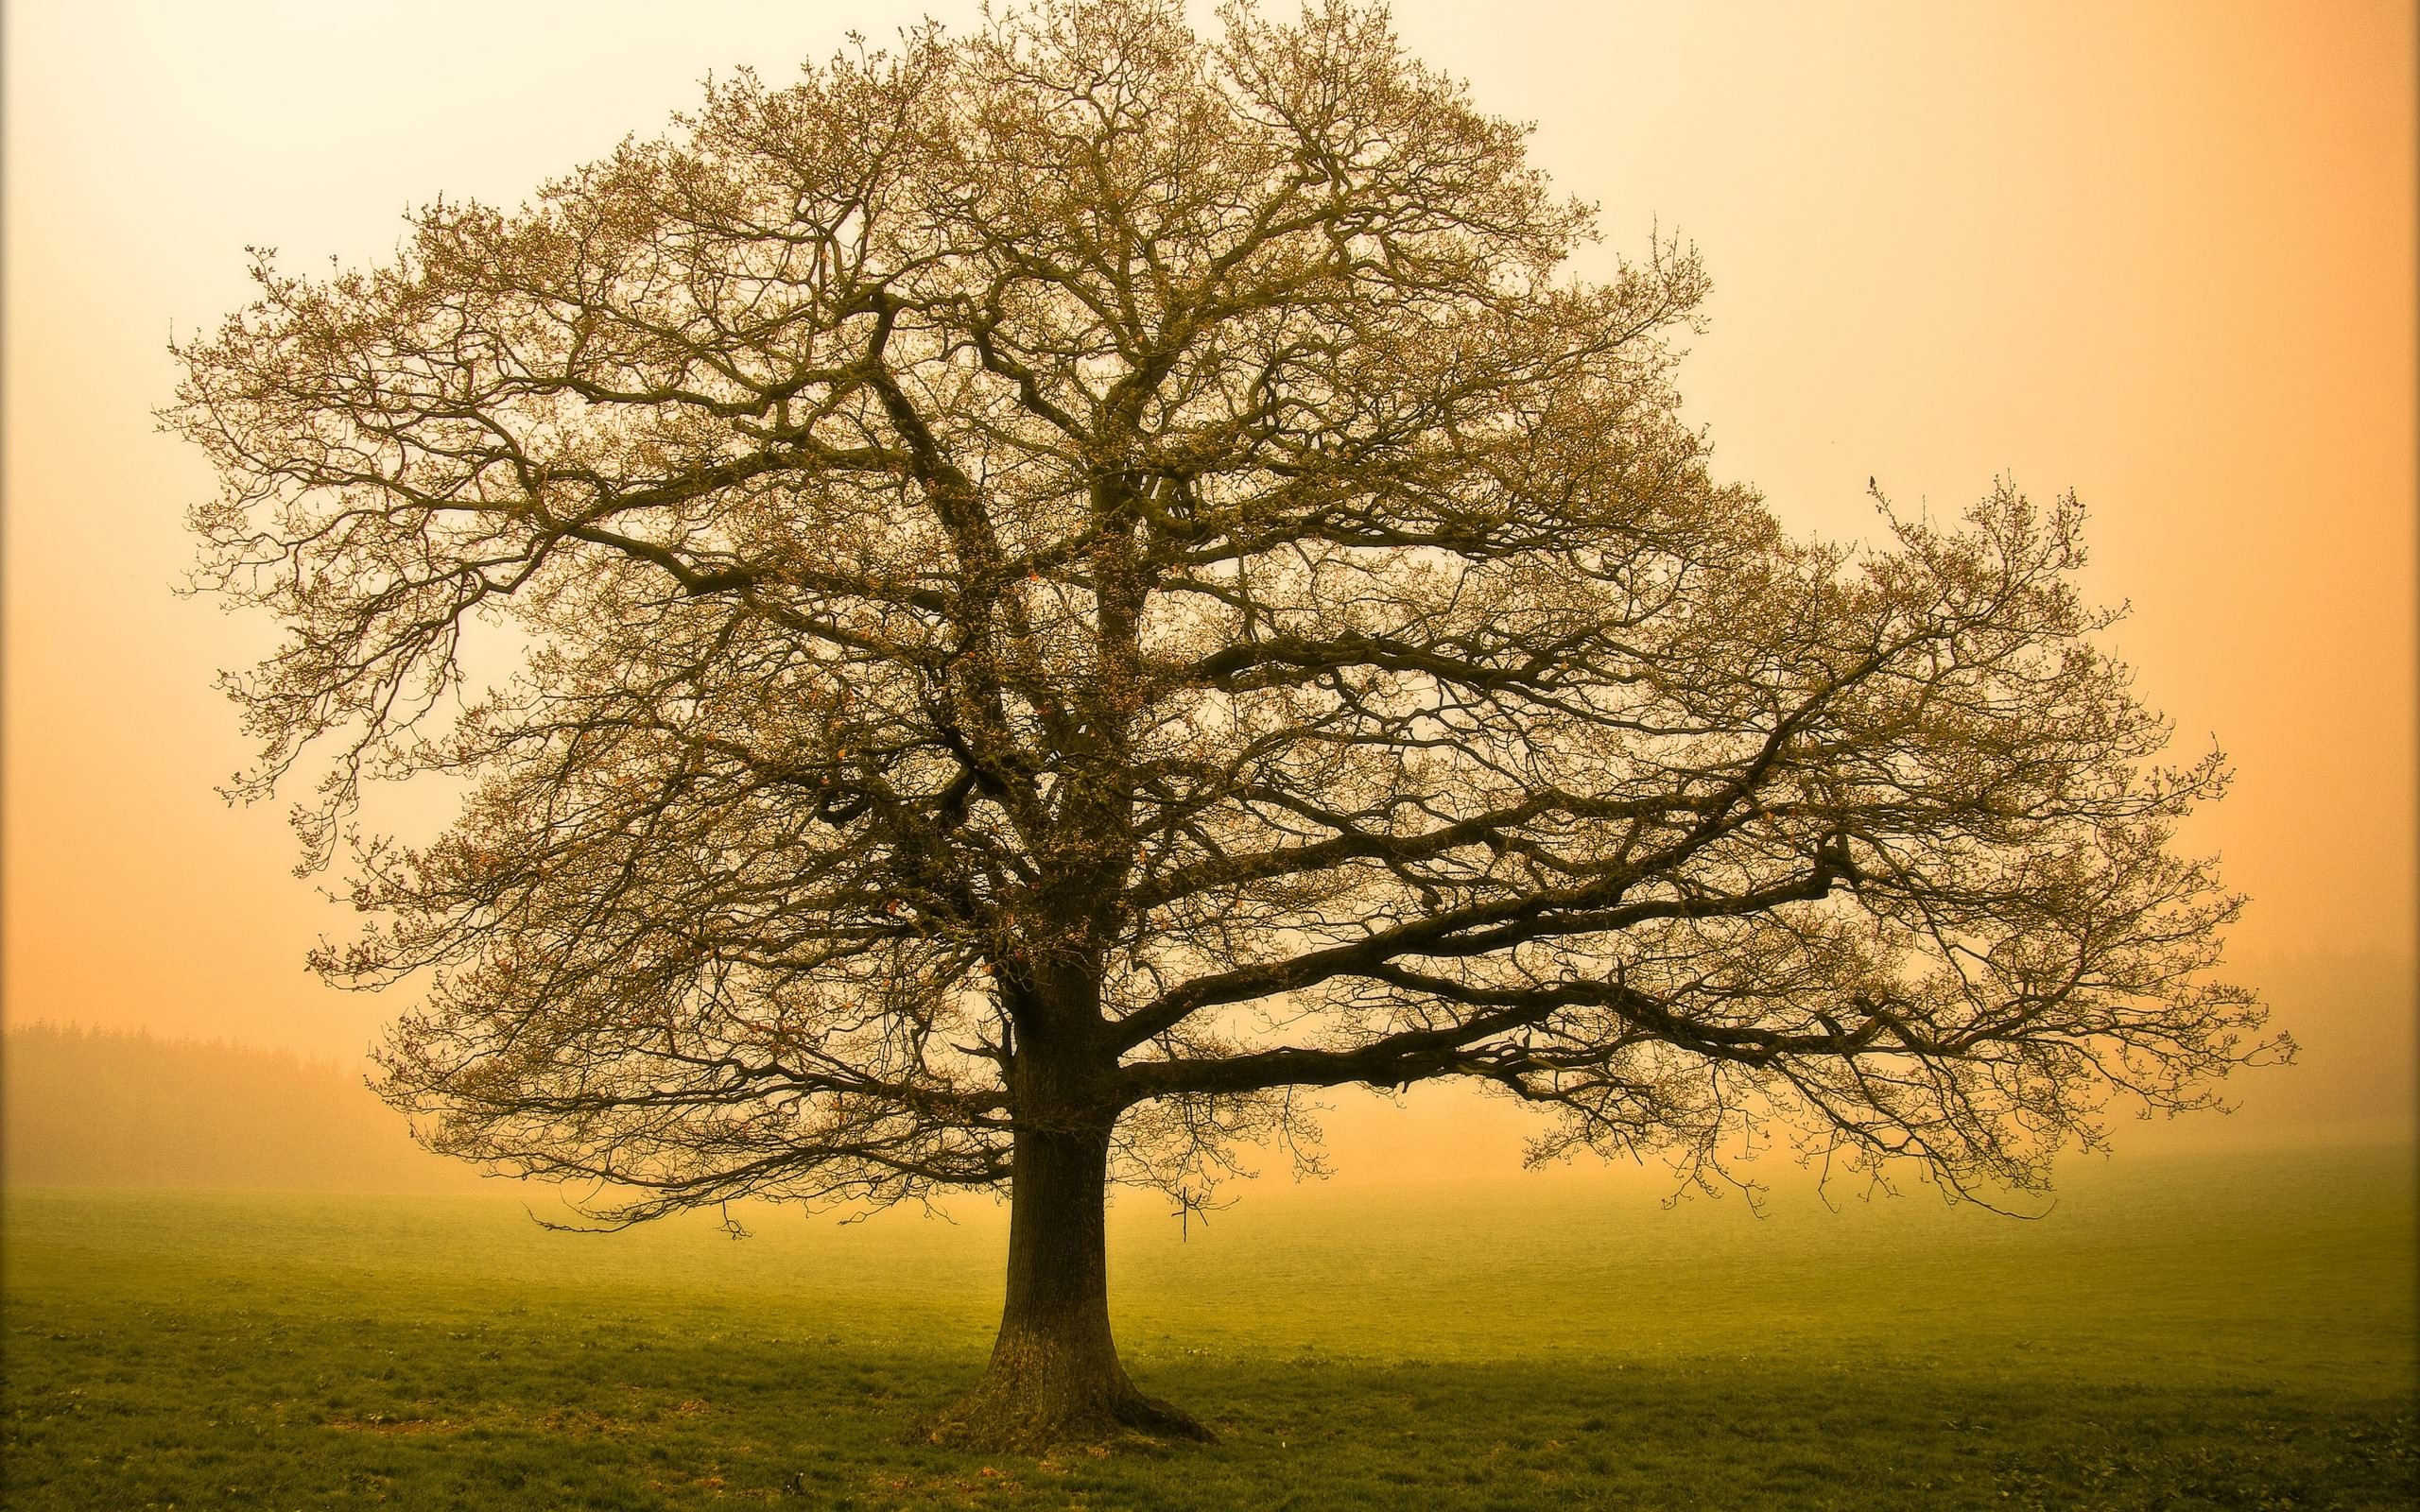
1054, 1376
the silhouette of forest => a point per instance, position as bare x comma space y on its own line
97, 1108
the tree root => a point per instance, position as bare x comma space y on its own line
990, 1420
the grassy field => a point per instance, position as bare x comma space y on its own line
2179, 1333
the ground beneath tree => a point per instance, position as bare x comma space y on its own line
2220, 1334
999, 1421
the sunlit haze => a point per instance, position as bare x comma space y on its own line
2159, 254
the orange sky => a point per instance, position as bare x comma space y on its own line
2160, 253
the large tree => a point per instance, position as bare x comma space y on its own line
1046, 591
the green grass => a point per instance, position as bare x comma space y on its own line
2175, 1334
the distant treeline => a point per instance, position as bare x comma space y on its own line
94, 1108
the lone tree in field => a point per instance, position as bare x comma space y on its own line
1063, 585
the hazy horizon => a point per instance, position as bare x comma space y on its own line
219, 1114
2162, 255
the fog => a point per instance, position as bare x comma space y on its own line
105, 1108
2162, 255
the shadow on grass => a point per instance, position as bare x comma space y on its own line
131, 1407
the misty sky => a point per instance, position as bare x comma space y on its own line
2162, 254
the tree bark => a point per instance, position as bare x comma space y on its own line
1054, 1376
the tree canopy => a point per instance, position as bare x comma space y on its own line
1071, 582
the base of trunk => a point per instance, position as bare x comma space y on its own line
1036, 1397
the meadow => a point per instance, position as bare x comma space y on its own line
2178, 1333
